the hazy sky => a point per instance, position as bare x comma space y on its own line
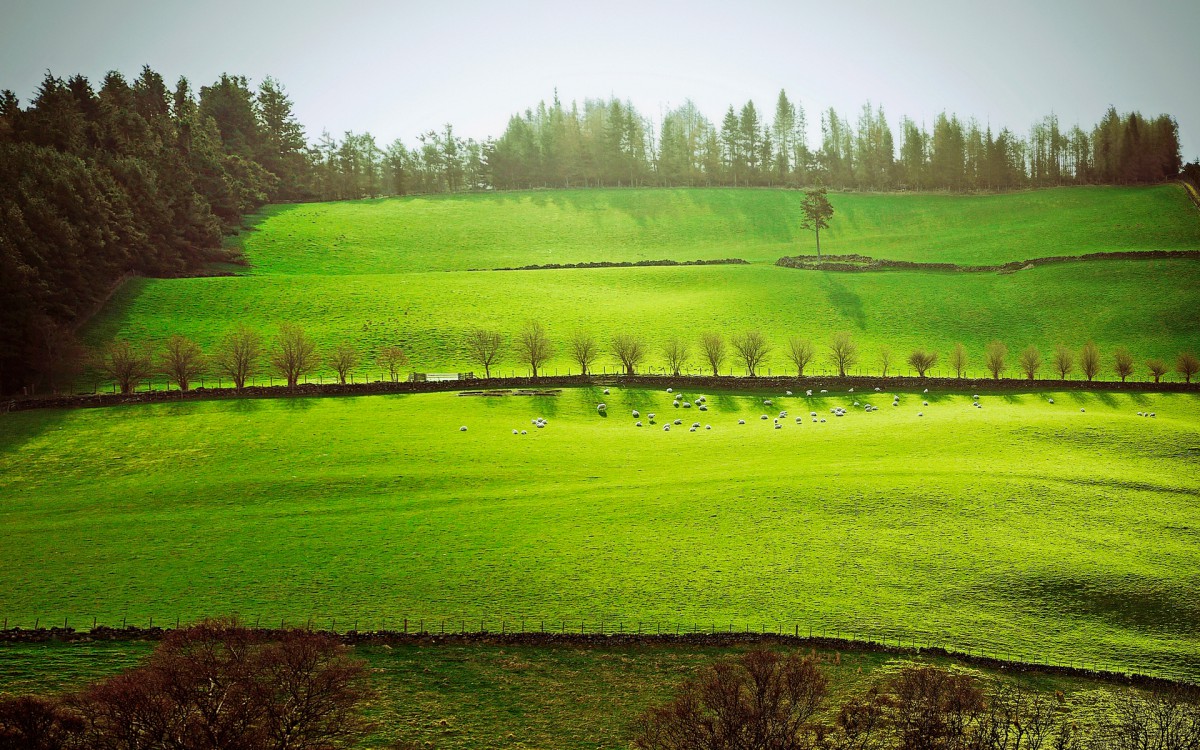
399, 68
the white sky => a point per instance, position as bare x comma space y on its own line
396, 69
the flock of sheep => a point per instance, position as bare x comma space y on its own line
701, 404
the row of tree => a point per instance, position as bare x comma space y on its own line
129, 177
610, 143
292, 355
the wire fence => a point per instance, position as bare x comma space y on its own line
820, 633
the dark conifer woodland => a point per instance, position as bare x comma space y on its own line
135, 177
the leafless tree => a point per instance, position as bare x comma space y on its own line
584, 350
238, 355
293, 355
1064, 361
1157, 368
1122, 363
843, 352
931, 708
676, 353
713, 345
1168, 718
181, 360
800, 351
1030, 361
534, 347
1187, 365
485, 348
1089, 360
994, 355
885, 360
55, 354
124, 363
392, 359
921, 360
629, 350
344, 359
753, 349
958, 359
761, 700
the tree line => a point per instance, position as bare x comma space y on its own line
292, 355
134, 176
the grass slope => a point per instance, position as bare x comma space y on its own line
457, 696
1024, 527
400, 235
1147, 306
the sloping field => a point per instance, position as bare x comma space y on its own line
1062, 531
1147, 306
460, 232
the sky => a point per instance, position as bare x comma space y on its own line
397, 69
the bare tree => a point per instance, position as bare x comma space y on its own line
1030, 361
675, 351
629, 351
1187, 365
714, 350
1089, 360
1157, 368
1163, 719
584, 350
534, 347
753, 348
485, 348
932, 708
885, 360
762, 700
220, 685
994, 355
181, 360
843, 352
127, 365
238, 355
393, 360
344, 359
293, 355
1122, 363
55, 354
958, 359
921, 360
800, 351
1064, 361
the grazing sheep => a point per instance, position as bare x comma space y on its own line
975, 397
764, 417
1051, 400
600, 407
783, 414
808, 392
666, 428
851, 390
462, 429
651, 415
637, 424
695, 424
778, 426
1152, 415
703, 407
1083, 409
541, 425
515, 432
856, 403
691, 429
678, 421
925, 391
877, 388
670, 390
788, 393
1141, 414
687, 404
924, 403
708, 427
798, 419
741, 421
524, 432
822, 420
605, 391
533, 421
635, 414
675, 403
824, 391
920, 414
766, 402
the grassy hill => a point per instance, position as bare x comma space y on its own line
459, 232
1025, 527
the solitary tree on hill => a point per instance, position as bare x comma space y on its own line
817, 213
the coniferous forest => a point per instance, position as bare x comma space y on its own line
136, 177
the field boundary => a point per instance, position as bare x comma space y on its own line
684, 636
620, 264
853, 263
866, 383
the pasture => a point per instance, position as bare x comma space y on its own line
1063, 531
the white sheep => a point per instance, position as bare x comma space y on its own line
541, 425
605, 391
533, 421
695, 424
1051, 400
708, 427
975, 397
600, 407
1152, 416
808, 392
764, 417
798, 419
703, 407
920, 414
462, 429
856, 403
924, 403
1082, 409
788, 393
687, 404
822, 420
524, 432
636, 414
637, 424
741, 421
778, 426
651, 415
851, 390
515, 432
678, 421
876, 389
766, 402
670, 390
824, 391
666, 428
925, 391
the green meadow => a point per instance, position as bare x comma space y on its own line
496, 230
480, 696
1062, 532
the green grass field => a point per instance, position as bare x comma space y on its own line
1024, 527
469, 696
454, 233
